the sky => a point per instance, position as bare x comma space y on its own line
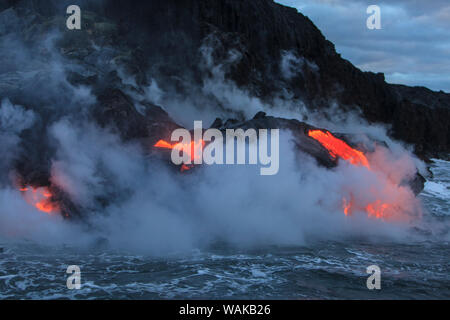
412, 47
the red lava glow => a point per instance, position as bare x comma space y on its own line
376, 209
40, 198
186, 167
337, 147
347, 205
194, 150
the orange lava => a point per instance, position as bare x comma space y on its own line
347, 205
163, 144
194, 150
337, 147
40, 198
377, 209
186, 167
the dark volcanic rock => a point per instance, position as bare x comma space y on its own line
423, 126
166, 35
416, 184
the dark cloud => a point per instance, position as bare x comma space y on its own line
413, 46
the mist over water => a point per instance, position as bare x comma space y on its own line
136, 202
157, 210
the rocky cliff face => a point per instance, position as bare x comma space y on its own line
228, 57
165, 37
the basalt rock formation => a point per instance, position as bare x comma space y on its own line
47, 68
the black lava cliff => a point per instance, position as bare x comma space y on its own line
173, 31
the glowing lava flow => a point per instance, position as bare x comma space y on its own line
337, 147
347, 205
377, 209
40, 198
194, 150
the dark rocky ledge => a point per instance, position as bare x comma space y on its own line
173, 31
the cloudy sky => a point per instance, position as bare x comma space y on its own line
413, 46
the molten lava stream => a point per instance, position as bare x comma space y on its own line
376, 209
194, 150
40, 198
337, 147
347, 206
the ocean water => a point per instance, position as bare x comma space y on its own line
324, 270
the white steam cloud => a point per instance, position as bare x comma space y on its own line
136, 202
